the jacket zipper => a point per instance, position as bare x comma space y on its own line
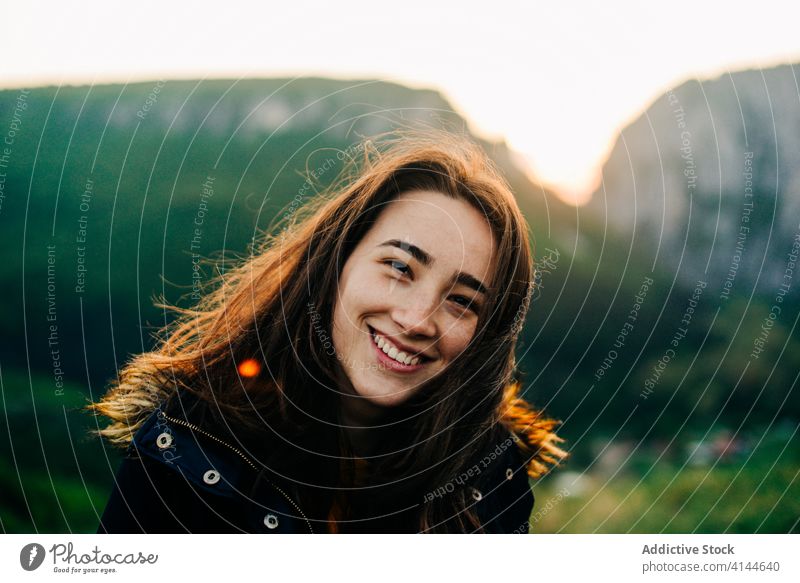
244, 457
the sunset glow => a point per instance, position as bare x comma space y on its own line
557, 82
249, 368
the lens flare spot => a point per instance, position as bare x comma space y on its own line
249, 367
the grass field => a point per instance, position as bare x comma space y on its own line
755, 491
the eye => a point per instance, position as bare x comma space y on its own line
398, 266
465, 302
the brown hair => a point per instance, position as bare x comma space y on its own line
269, 308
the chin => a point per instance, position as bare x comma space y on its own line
388, 398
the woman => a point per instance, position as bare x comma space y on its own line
354, 375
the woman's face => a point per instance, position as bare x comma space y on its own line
412, 287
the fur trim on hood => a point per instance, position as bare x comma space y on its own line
532, 432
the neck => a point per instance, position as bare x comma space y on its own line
359, 419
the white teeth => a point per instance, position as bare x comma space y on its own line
392, 352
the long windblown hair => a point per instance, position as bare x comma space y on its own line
272, 307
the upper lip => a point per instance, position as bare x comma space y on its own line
407, 349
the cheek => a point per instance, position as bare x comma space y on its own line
357, 296
339, 319
457, 338
363, 291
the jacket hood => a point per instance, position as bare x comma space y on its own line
532, 432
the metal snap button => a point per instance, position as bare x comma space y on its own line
476, 494
509, 473
271, 521
164, 440
211, 477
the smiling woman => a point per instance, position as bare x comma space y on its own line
401, 307
356, 374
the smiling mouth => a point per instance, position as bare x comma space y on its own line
393, 355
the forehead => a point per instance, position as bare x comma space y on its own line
453, 231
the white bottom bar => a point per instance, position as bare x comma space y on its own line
377, 558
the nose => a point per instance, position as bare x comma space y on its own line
417, 319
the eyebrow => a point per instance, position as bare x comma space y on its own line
427, 260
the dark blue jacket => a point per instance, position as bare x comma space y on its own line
176, 477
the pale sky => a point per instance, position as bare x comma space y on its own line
556, 80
